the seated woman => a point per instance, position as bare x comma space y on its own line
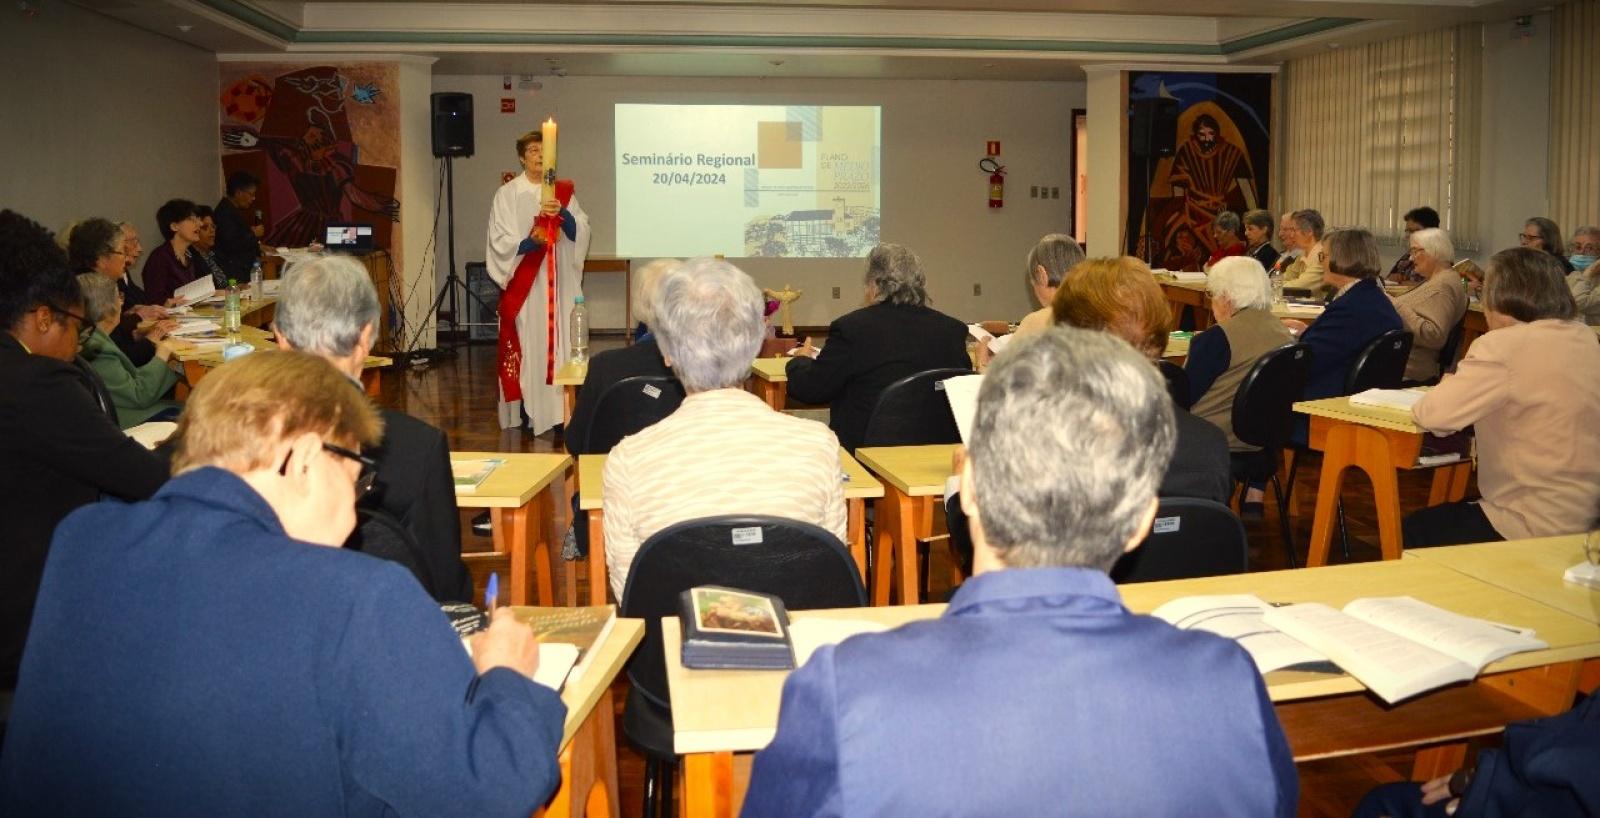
137, 391
1228, 232
1358, 314
1258, 238
1432, 309
1540, 233
204, 247
1528, 387
218, 633
98, 246
170, 265
1245, 330
895, 335
1121, 296
1585, 280
1048, 263
724, 451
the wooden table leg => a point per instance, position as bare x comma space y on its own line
372, 379
518, 532
1449, 483
908, 527
599, 583
773, 393
707, 785
1351, 445
883, 545
856, 532
589, 768
566, 517
569, 399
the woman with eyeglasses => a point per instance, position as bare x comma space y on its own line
97, 246
60, 450
1431, 309
1584, 281
217, 633
1539, 233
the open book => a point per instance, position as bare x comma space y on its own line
196, 291
151, 434
1396, 646
567, 639
962, 393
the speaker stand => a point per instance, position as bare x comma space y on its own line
452, 279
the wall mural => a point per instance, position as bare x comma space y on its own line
324, 140
1221, 146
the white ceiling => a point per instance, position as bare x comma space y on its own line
960, 39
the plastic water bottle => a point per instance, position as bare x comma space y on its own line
1275, 277
580, 331
230, 312
255, 281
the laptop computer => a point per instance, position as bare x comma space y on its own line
348, 237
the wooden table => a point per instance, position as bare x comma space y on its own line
197, 362
768, 379
859, 486
1532, 568
588, 738
380, 267
1191, 295
720, 717
1377, 441
913, 479
518, 494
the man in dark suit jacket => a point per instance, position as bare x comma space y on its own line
1036, 692
1359, 313
329, 308
896, 335
59, 448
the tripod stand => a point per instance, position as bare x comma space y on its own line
452, 280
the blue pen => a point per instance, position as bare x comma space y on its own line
491, 594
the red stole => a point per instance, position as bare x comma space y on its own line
545, 229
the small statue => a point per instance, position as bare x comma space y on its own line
785, 297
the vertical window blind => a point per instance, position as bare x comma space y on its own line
1371, 131
1575, 117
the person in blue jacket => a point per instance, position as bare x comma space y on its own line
212, 651
1358, 313
1037, 692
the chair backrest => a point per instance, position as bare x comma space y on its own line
1191, 538
628, 406
380, 535
914, 412
1381, 364
1452, 342
800, 563
1261, 413
1177, 383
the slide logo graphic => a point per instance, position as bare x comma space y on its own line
747, 180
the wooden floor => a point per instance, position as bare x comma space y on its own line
458, 395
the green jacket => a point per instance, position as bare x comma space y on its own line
136, 390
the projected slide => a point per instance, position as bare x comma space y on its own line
747, 180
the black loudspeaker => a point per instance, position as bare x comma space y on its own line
1153, 130
452, 124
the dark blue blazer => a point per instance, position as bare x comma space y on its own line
1036, 693
187, 658
1337, 336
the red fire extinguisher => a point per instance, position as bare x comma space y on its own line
997, 181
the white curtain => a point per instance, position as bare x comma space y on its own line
1575, 117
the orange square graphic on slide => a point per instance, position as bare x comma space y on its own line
778, 145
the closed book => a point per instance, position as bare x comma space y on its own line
728, 628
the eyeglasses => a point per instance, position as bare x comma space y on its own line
1527, 239
85, 326
364, 480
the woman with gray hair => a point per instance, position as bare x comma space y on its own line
1227, 234
1245, 330
1586, 276
1432, 309
1048, 263
699, 461
137, 391
895, 335
1528, 388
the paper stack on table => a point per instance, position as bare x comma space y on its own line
195, 326
1402, 399
1180, 275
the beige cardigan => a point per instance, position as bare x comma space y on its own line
1429, 311
1533, 393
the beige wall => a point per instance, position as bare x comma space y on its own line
934, 198
98, 118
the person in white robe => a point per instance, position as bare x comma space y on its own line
511, 222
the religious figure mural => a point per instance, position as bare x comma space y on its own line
322, 140
1220, 144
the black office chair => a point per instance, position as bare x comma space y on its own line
1262, 416
800, 563
1177, 383
1191, 538
629, 406
1381, 364
913, 412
